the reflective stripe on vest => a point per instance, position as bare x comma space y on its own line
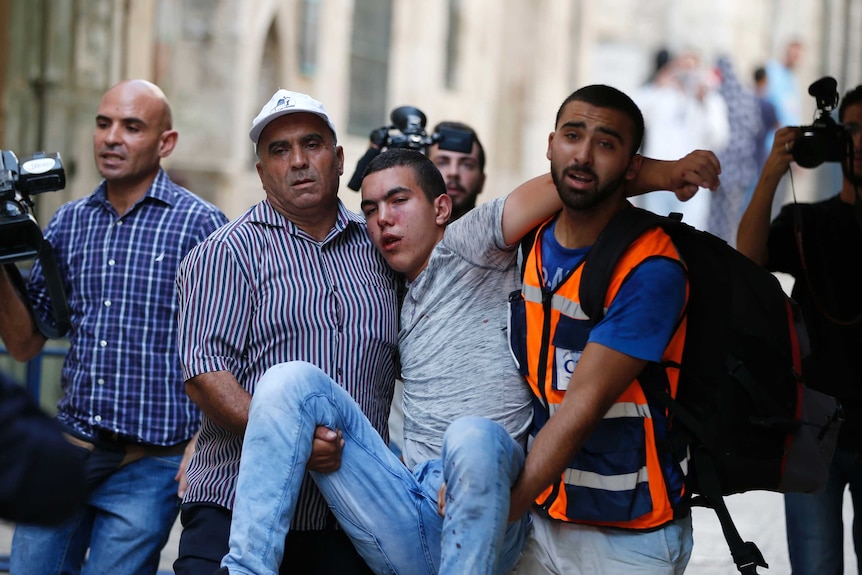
617, 478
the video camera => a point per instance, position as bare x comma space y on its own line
824, 140
407, 130
20, 235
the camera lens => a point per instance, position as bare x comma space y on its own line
809, 150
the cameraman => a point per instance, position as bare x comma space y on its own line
820, 245
124, 404
464, 173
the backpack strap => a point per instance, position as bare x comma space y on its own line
613, 241
746, 555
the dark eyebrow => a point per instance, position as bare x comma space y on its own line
130, 120
386, 196
311, 137
603, 129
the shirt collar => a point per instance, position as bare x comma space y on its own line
265, 213
161, 190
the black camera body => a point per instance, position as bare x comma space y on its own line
824, 140
408, 131
20, 235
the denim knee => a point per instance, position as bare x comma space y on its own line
288, 382
479, 441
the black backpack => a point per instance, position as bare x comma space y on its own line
742, 408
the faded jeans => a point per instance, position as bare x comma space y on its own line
126, 522
815, 527
389, 512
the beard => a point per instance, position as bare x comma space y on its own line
584, 200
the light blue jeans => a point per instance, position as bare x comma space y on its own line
815, 527
388, 512
125, 524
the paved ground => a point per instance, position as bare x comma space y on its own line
759, 516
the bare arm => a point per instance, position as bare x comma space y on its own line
17, 328
753, 233
536, 200
529, 205
221, 397
699, 169
601, 375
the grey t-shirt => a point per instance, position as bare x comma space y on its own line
453, 341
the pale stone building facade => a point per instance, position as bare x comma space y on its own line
502, 66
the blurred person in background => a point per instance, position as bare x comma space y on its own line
464, 173
739, 157
683, 111
768, 120
782, 85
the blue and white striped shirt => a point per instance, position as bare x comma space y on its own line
260, 291
122, 372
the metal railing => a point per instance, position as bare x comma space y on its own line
33, 369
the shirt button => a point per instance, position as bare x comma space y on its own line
111, 262
98, 418
119, 222
108, 303
103, 343
100, 381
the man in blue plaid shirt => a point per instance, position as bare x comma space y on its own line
124, 403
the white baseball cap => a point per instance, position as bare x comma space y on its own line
285, 102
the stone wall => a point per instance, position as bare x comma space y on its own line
219, 60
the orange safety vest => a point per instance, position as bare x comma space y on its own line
621, 477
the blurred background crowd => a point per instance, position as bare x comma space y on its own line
501, 66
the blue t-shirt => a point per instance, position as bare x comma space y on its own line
644, 314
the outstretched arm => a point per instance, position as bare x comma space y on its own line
699, 169
536, 200
753, 233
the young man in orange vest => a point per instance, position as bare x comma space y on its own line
602, 497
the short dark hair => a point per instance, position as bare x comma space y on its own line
466, 128
759, 74
428, 177
852, 97
603, 96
